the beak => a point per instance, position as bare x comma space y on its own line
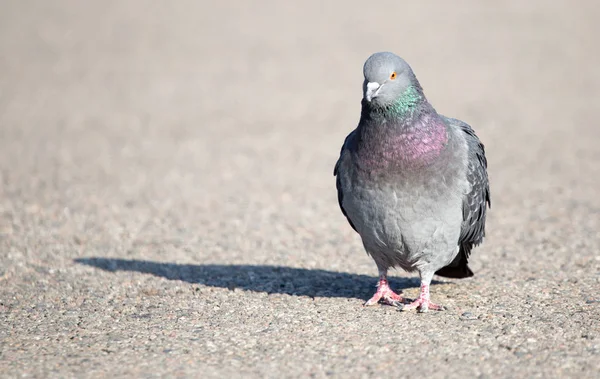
372, 89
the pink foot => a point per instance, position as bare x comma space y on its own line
385, 295
423, 304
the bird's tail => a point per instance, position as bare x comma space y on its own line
459, 267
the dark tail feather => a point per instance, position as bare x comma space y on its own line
459, 268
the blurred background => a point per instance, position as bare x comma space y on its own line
192, 133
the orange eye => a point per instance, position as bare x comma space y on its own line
393, 76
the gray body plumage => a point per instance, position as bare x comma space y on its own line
413, 218
414, 185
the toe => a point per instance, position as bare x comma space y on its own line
372, 301
422, 306
436, 307
410, 306
393, 302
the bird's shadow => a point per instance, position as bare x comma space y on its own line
257, 278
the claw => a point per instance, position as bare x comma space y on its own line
423, 304
384, 295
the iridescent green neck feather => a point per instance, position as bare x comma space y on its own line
406, 103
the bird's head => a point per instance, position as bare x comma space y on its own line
387, 77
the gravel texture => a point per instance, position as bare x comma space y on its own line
167, 204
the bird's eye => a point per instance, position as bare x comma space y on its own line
393, 76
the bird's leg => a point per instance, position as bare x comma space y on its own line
422, 303
384, 293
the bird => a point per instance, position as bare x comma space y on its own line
412, 182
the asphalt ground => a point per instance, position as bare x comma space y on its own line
167, 204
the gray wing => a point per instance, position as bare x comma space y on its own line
475, 203
338, 184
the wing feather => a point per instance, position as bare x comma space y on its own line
475, 204
338, 184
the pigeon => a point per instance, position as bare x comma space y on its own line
412, 182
